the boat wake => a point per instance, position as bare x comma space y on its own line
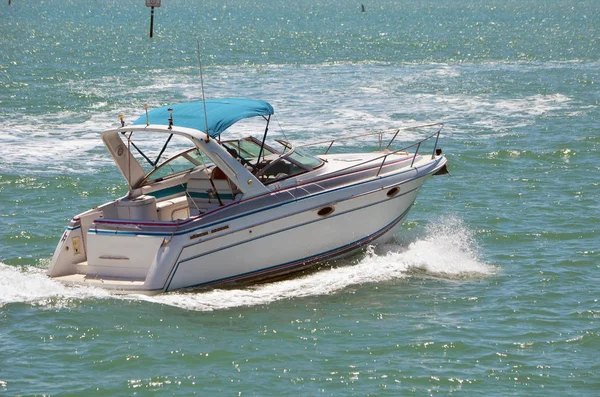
446, 250
31, 285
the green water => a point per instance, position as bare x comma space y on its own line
491, 286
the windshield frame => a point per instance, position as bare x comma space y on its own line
185, 154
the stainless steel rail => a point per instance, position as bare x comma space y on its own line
380, 136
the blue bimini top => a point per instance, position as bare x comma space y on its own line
221, 114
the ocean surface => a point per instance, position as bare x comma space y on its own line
491, 286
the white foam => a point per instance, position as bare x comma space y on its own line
31, 285
312, 102
448, 250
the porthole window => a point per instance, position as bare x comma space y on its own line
326, 211
393, 191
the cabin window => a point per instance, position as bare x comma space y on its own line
182, 162
248, 150
305, 159
325, 211
273, 165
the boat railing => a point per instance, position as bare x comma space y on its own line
386, 150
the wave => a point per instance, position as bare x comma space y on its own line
447, 250
335, 100
30, 285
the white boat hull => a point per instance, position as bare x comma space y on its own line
251, 247
194, 227
290, 242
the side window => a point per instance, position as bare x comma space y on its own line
182, 162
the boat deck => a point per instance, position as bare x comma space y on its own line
115, 285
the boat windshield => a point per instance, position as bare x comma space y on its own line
269, 164
247, 150
184, 161
163, 156
306, 159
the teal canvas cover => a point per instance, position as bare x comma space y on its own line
221, 114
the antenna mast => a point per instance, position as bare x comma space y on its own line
202, 86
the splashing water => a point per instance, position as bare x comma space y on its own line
30, 285
447, 250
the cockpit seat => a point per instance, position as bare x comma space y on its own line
208, 189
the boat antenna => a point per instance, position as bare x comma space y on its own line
147, 118
202, 86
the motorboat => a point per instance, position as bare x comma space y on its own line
204, 211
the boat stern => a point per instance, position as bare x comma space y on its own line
96, 252
69, 251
